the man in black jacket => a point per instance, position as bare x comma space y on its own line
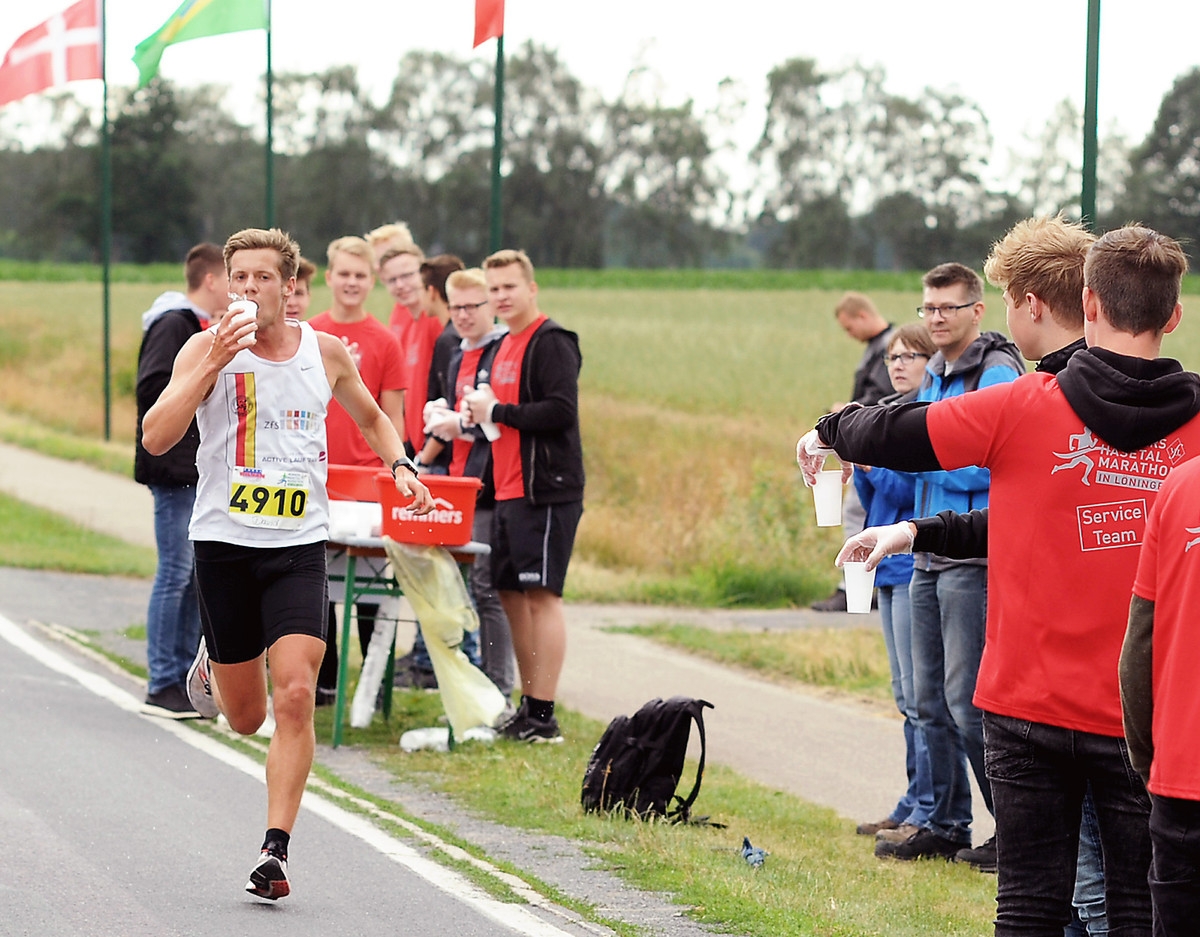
173, 617
537, 466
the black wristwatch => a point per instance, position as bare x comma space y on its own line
404, 462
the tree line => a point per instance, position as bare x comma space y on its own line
844, 174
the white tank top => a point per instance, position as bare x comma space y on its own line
262, 456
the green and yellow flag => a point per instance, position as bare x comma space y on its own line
193, 20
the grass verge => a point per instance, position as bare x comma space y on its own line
31, 538
849, 660
115, 457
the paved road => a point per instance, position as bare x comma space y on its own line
116, 823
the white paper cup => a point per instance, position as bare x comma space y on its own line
859, 585
827, 497
244, 312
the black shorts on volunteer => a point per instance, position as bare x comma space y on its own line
532, 544
250, 597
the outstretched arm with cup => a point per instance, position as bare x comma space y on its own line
890, 437
949, 534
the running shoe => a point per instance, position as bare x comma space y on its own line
525, 728
268, 879
170, 703
199, 685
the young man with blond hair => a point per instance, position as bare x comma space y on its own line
537, 465
1077, 459
259, 388
400, 271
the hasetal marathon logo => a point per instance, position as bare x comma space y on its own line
444, 512
1115, 524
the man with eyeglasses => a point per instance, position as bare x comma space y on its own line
949, 596
859, 319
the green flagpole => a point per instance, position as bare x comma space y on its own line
496, 234
270, 130
106, 224
1091, 146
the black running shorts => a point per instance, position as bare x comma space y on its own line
250, 597
531, 545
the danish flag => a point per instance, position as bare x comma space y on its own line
67, 47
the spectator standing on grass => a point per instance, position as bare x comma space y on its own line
887, 497
261, 515
1076, 460
537, 465
350, 278
469, 453
1039, 267
434, 273
173, 617
949, 597
859, 319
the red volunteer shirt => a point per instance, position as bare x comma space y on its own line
466, 383
1067, 518
418, 358
381, 369
506, 384
1169, 576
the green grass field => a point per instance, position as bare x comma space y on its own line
691, 403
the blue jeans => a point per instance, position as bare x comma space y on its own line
173, 617
1040, 774
1089, 873
894, 612
949, 609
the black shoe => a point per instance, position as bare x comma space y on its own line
524, 728
268, 879
326, 695
923, 844
982, 857
170, 703
415, 678
835, 603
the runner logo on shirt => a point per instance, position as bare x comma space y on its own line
1145, 469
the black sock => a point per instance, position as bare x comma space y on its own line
276, 843
541, 709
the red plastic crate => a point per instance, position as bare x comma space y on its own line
448, 524
352, 482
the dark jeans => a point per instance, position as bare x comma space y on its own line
1175, 871
1039, 774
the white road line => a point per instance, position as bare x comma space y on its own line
516, 917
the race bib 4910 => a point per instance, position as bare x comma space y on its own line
268, 497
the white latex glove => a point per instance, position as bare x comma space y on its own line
811, 455
874, 543
430, 406
477, 406
445, 425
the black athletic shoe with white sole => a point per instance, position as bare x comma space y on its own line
523, 727
269, 878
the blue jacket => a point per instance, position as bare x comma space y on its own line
990, 359
887, 497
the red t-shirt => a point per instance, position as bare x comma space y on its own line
400, 322
380, 368
1169, 576
417, 359
1067, 516
466, 381
506, 384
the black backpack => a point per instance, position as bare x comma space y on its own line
638, 761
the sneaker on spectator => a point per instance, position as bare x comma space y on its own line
870, 829
326, 696
982, 857
835, 603
923, 844
507, 716
170, 703
199, 684
268, 879
524, 728
899, 834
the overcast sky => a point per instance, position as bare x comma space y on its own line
1015, 59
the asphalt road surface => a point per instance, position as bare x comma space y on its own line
114, 823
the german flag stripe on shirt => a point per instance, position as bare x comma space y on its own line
247, 416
